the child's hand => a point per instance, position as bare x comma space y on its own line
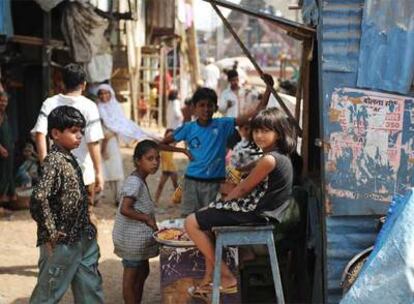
3, 152
151, 223
189, 155
268, 79
49, 248
105, 154
225, 189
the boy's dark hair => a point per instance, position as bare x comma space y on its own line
143, 147
204, 94
172, 95
73, 76
274, 119
64, 117
232, 74
188, 101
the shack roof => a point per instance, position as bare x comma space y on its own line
291, 26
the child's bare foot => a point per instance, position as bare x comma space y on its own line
228, 282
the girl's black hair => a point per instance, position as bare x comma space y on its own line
143, 147
65, 117
274, 119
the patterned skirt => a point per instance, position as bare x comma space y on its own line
244, 204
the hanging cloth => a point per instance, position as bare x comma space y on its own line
83, 30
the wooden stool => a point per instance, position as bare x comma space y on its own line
246, 235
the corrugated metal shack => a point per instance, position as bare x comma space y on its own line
366, 121
358, 146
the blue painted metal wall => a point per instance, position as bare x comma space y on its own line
339, 35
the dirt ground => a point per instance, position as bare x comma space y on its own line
19, 255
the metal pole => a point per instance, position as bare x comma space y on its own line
256, 66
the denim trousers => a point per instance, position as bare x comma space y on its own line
75, 264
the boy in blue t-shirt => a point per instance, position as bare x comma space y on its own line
206, 139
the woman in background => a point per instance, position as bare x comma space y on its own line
7, 186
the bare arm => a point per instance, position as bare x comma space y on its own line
264, 166
95, 152
107, 136
40, 140
243, 119
127, 209
165, 146
3, 152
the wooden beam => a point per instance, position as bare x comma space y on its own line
37, 41
307, 54
46, 54
256, 66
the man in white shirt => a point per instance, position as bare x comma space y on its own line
232, 99
89, 153
231, 103
210, 74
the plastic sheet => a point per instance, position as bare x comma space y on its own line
387, 276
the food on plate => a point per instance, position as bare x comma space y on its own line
173, 234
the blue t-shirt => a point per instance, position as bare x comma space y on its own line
207, 144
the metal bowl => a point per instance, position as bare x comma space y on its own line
353, 269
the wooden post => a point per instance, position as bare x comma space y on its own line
299, 84
133, 69
175, 62
161, 85
46, 54
307, 49
193, 55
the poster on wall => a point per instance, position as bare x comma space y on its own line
370, 145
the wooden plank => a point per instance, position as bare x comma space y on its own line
299, 84
46, 54
307, 49
37, 41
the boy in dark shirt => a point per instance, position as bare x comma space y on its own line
66, 237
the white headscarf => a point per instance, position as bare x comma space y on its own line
115, 120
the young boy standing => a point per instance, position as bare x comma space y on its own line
69, 252
206, 139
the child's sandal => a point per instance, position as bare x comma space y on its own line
197, 290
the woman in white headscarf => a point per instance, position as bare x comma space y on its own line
115, 120
116, 126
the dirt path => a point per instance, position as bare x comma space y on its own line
18, 254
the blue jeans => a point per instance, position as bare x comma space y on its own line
76, 265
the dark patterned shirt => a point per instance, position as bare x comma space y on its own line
59, 201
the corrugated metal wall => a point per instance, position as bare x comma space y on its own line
340, 30
346, 236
